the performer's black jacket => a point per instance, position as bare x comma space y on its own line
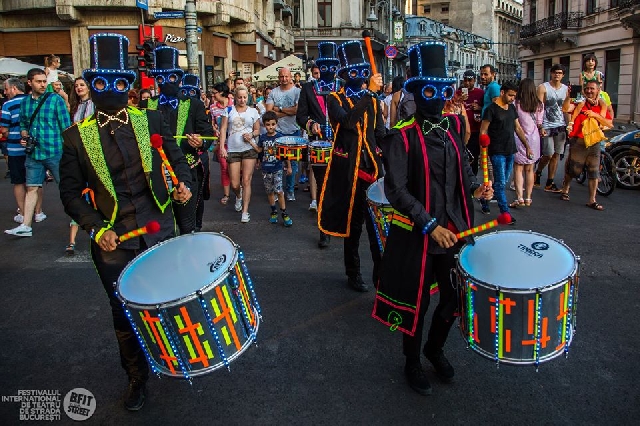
309, 108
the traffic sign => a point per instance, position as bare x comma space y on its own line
391, 51
177, 14
142, 4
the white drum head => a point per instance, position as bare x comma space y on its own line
518, 260
321, 144
292, 141
375, 193
177, 268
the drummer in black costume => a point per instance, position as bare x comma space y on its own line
356, 119
109, 155
312, 112
186, 118
429, 184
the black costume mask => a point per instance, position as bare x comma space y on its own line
167, 72
170, 90
108, 100
355, 70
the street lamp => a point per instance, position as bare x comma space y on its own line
392, 11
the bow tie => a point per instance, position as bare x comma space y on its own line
121, 117
324, 87
173, 102
428, 126
353, 94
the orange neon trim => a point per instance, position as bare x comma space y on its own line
165, 355
91, 195
562, 312
225, 315
475, 328
530, 322
545, 337
507, 343
191, 329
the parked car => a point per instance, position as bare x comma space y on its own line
625, 151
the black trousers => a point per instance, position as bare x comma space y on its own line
202, 172
474, 148
438, 267
360, 214
109, 266
186, 213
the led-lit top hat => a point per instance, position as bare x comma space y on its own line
190, 85
352, 61
427, 62
328, 56
166, 62
109, 57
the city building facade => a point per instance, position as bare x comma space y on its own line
564, 31
234, 35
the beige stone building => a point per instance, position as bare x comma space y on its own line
241, 35
564, 31
496, 20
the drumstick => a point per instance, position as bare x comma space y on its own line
156, 142
484, 144
214, 138
503, 219
150, 228
367, 42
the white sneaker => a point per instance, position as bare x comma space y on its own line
20, 231
313, 206
291, 196
18, 218
40, 217
246, 217
238, 205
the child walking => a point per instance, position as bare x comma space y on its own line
272, 168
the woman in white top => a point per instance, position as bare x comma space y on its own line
239, 126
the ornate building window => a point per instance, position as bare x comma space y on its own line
324, 13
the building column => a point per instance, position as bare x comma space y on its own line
79, 49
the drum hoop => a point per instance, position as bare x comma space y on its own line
375, 202
291, 142
189, 297
574, 271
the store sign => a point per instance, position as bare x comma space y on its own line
172, 38
398, 31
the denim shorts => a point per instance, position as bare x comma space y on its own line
236, 157
36, 169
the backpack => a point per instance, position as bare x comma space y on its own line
406, 106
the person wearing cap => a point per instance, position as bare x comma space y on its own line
187, 119
429, 184
356, 117
190, 88
472, 97
312, 114
110, 157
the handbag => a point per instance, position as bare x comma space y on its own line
592, 132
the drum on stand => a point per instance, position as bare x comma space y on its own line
293, 148
518, 296
191, 303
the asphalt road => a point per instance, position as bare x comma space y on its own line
320, 357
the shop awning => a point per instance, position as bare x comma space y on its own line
270, 73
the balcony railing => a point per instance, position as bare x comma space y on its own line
561, 21
623, 4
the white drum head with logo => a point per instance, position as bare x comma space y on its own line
292, 141
375, 193
518, 260
177, 268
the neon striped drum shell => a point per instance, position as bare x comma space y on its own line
191, 303
518, 295
293, 148
320, 152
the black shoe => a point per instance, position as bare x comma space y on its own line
417, 378
357, 284
135, 396
536, 181
486, 209
444, 370
324, 240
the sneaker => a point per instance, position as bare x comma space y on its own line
20, 231
274, 217
486, 210
287, 220
512, 186
417, 378
552, 188
40, 217
291, 196
246, 217
238, 205
313, 206
444, 370
324, 240
7, 175
303, 179
536, 181
358, 284
18, 218
135, 396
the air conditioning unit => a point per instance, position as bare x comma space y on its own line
272, 55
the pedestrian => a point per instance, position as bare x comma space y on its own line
133, 98
272, 168
220, 93
51, 65
429, 184
500, 123
125, 194
43, 117
589, 71
530, 115
472, 97
239, 126
491, 93
355, 162
283, 100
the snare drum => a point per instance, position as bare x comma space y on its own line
320, 152
518, 294
380, 211
293, 148
191, 303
